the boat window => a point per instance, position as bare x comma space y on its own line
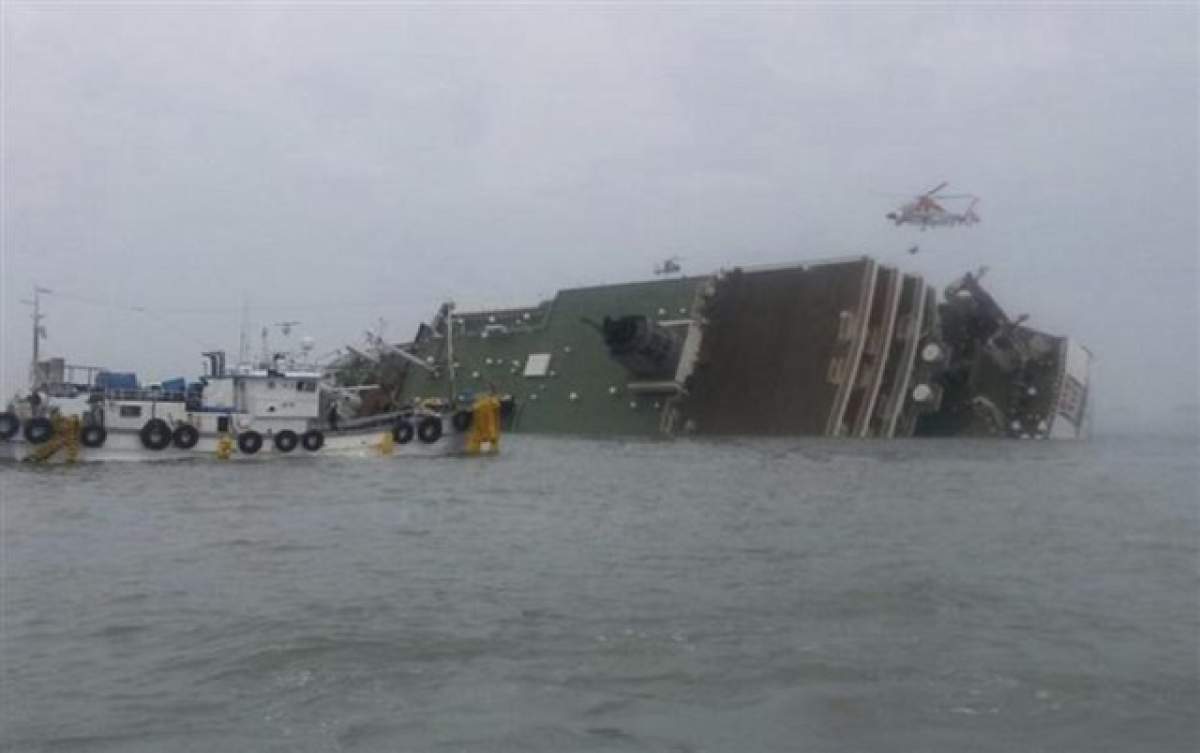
537, 365
131, 411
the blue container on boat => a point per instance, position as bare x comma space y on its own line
174, 385
117, 380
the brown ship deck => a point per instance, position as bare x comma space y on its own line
781, 350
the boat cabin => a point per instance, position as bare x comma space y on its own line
266, 395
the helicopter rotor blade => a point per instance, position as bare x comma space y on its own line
936, 188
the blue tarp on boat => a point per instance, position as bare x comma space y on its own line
117, 380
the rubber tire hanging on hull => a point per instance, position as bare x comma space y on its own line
38, 430
286, 440
9, 425
312, 440
462, 420
249, 442
185, 436
430, 429
93, 435
402, 432
156, 435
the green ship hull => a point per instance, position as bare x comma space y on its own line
842, 347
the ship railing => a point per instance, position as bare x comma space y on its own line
381, 420
63, 389
370, 422
143, 395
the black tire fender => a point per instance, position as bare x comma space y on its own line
429, 429
38, 430
312, 440
185, 436
286, 440
156, 435
9, 425
249, 442
403, 432
93, 435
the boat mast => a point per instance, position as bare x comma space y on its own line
243, 344
450, 348
38, 333
266, 350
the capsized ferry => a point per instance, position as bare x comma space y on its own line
838, 347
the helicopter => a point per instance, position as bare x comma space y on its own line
925, 211
669, 266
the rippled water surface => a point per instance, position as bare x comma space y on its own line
609, 596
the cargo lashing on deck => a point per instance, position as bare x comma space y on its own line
65, 437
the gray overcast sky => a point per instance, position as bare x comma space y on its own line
184, 158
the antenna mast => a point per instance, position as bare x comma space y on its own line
450, 349
266, 350
38, 333
243, 345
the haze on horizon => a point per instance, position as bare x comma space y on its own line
338, 164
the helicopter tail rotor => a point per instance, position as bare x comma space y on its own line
969, 216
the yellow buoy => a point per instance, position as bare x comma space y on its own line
485, 426
386, 443
224, 447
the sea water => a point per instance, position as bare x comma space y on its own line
576, 595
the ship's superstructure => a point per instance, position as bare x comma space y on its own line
842, 347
